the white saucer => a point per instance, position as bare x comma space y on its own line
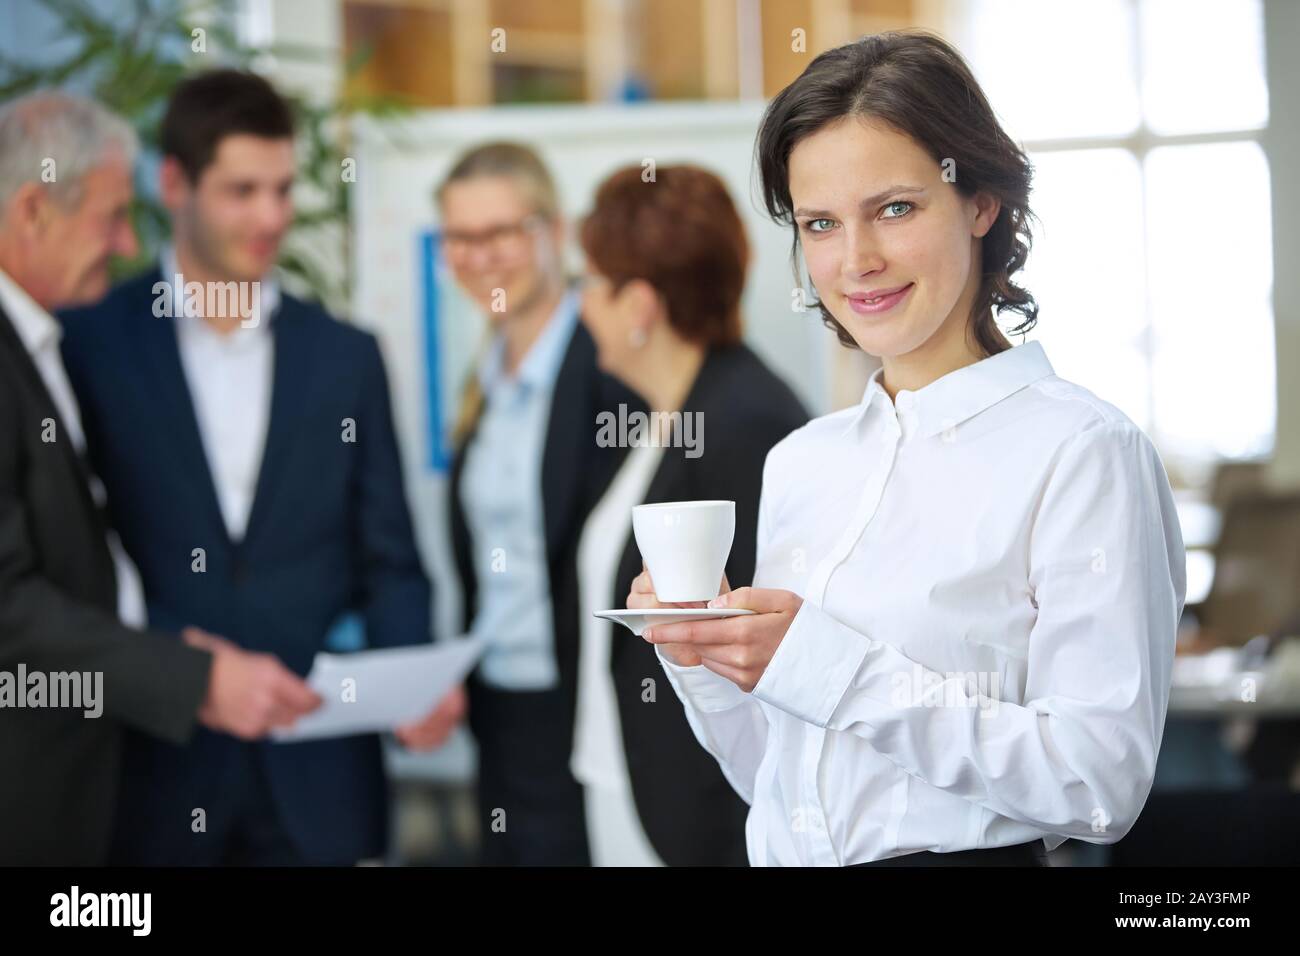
637, 620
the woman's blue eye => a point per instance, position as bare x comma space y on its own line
897, 203
811, 225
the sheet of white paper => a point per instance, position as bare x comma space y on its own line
374, 691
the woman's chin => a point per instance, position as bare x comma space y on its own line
886, 339
881, 340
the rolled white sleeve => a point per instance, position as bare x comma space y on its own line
727, 722
707, 692
1107, 574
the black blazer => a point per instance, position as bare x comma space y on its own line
689, 811
575, 471
58, 599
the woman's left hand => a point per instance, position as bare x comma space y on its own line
738, 648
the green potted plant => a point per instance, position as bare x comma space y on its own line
131, 57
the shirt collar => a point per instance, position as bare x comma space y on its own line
268, 287
961, 394
541, 365
37, 329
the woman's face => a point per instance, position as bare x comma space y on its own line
500, 253
875, 216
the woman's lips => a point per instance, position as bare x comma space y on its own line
863, 305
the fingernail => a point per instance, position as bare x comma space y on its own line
719, 601
648, 634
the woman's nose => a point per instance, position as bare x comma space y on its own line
861, 254
478, 257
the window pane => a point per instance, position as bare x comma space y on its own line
1215, 387
1056, 69
1203, 65
1211, 274
1085, 270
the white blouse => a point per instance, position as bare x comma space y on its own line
992, 573
615, 834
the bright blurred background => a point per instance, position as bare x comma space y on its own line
1163, 133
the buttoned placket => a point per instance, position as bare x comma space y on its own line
515, 398
820, 849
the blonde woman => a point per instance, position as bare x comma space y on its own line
525, 473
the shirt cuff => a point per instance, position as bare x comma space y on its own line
707, 692
813, 666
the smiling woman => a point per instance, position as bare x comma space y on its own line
896, 140
967, 586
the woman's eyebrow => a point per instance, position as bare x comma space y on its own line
866, 203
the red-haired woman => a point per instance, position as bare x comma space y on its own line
666, 263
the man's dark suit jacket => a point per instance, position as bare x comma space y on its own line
329, 532
58, 600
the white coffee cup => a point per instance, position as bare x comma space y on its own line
685, 545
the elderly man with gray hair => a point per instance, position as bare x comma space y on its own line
69, 598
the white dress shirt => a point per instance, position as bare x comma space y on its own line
230, 377
614, 830
992, 573
40, 335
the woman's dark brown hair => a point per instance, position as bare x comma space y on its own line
681, 233
920, 86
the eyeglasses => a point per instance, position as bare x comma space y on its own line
499, 240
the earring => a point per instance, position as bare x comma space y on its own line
637, 338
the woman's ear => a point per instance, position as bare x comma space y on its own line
548, 247
559, 231
641, 304
986, 207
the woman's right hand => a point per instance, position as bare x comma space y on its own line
643, 596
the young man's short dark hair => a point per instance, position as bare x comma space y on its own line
206, 108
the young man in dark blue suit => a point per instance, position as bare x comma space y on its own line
246, 443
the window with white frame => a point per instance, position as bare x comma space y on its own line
1152, 260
